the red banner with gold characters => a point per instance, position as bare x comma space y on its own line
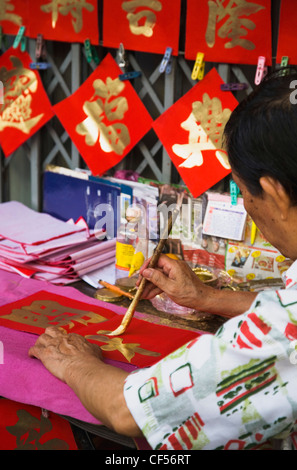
105, 117
191, 131
13, 15
142, 344
229, 31
27, 427
64, 20
142, 25
26, 107
287, 40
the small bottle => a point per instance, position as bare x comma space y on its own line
125, 247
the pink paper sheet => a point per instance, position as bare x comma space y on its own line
26, 380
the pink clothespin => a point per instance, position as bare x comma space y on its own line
261, 70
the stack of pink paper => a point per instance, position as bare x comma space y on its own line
39, 246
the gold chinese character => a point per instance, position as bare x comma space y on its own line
205, 125
236, 23
106, 104
65, 7
128, 350
44, 313
5, 13
29, 431
19, 86
142, 21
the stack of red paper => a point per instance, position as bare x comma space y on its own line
40, 246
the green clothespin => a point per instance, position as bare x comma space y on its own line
19, 36
95, 55
234, 191
284, 64
88, 50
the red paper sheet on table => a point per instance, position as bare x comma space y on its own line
64, 20
287, 40
229, 31
26, 107
191, 132
105, 117
147, 26
13, 15
24, 427
142, 344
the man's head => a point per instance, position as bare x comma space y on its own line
261, 135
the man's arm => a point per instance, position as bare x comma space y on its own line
99, 386
184, 287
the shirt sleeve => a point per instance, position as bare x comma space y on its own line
232, 390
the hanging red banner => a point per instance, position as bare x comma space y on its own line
142, 25
13, 15
26, 427
287, 41
142, 344
191, 131
25, 105
105, 117
229, 31
64, 20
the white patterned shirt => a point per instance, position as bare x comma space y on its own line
236, 389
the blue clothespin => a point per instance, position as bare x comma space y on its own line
165, 65
19, 36
40, 65
234, 191
261, 70
129, 75
233, 86
199, 67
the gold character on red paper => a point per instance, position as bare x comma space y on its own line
236, 24
106, 105
141, 16
6, 13
64, 7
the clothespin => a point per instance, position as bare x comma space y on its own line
88, 50
40, 65
234, 191
18, 37
284, 64
261, 70
121, 57
199, 67
165, 65
233, 86
40, 52
95, 55
129, 75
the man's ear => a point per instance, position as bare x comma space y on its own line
275, 190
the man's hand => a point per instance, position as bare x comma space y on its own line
58, 350
177, 280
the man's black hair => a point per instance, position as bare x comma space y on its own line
261, 134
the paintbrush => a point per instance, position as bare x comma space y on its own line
153, 262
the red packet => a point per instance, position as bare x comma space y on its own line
26, 107
191, 132
14, 14
287, 40
235, 32
149, 26
105, 117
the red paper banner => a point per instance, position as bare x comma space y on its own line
104, 118
287, 40
191, 131
64, 20
142, 344
26, 107
13, 15
142, 25
24, 427
229, 31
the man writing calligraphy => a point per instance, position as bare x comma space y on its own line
237, 388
